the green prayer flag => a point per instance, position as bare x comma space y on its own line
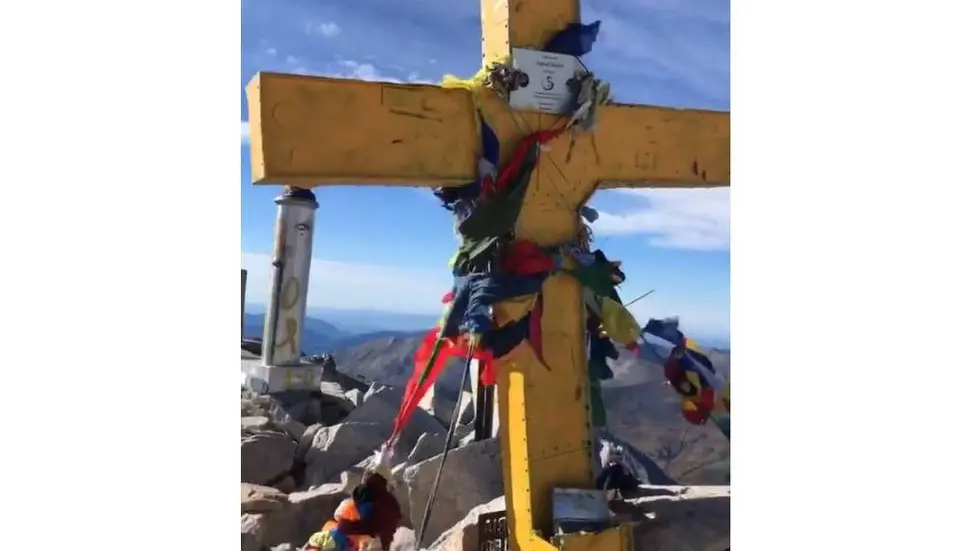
497, 215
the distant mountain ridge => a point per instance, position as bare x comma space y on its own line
641, 409
337, 325
318, 335
358, 321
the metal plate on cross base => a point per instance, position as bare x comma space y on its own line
548, 74
577, 510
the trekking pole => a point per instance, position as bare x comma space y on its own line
445, 450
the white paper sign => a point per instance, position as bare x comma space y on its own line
548, 75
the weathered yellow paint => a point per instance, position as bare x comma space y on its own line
616, 539
642, 146
309, 131
522, 24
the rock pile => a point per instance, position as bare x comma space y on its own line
664, 518
302, 457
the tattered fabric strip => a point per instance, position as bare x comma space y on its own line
486, 212
468, 322
576, 39
697, 394
691, 373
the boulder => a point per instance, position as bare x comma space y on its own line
333, 391
309, 510
286, 485
306, 440
464, 435
376, 388
427, 446
355, 396
335, 402
442, 407
265, 456
302, 514
404, 540
305, 411
261, 499
464, 535
252, 532
255, 423
336, 448
681, 518
284, 421
471, 476
332, 413
381, 405
254, 404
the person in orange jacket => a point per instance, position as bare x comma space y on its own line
330, 538
379, 511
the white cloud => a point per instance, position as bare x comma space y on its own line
353, 285
328, 29
674, 218
341, 68
363, 71
369, 71
245, 133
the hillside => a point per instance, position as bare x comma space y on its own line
641, 409
318, 335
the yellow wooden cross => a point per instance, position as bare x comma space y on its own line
310, 131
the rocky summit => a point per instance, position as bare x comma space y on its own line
302, 457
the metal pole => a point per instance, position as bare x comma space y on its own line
485, 414
293, 255
244, 282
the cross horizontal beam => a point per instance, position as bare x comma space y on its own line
313, 131
310, 131
645, 146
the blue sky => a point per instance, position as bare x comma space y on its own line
387, 247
